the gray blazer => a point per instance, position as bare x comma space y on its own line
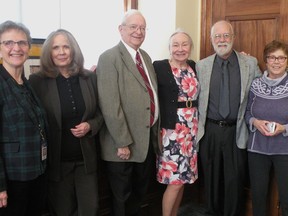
47, 91
249, 70
124, 102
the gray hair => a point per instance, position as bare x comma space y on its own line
47, 65
130, 13
181, 31
10, 25
221, 21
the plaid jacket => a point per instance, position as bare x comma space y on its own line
20, 140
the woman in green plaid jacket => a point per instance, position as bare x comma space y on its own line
22, 128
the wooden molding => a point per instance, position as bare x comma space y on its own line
130, 4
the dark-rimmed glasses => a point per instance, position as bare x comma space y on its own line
10, 43
281, 59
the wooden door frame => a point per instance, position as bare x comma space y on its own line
206, 23
130, 4
206, 48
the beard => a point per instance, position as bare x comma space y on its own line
222, 49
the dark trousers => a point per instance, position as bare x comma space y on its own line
129, 183
25, 198
224, 166
260, 167
76, 194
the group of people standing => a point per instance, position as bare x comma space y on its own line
50, 120
172, 113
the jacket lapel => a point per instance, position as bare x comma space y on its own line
244, 72
127, 59
54, 100
84, 85
151, 72
206, 77
22, 100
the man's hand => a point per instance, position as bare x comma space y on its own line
124, 153
3, 199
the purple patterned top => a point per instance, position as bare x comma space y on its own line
268, 100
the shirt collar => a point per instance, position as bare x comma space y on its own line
73, 79
232, 59
272, 82
131, 50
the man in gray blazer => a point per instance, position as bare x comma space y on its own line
129, 134
222, 133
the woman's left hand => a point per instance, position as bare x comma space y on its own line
278, 130
81, 130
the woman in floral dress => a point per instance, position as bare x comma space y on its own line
178, 90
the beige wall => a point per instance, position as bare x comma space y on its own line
188, 17
163, 17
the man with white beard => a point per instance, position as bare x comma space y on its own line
225, 79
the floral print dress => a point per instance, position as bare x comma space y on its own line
178, 162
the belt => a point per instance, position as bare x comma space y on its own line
222, 123
187, 104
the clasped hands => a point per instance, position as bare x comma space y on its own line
81, 129
261, 125
123, 153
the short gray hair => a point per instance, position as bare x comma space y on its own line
10, 25
181, 31
221, 21
130, 13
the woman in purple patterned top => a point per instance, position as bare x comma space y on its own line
268, 144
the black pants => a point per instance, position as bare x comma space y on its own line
76, 193
224, 169
26, 198
129, 183
260, 167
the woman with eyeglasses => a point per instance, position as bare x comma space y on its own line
267, 118
23, 146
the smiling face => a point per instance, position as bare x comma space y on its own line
14, 56
133, 31
222, 38
276, 63
61, 53
180, 47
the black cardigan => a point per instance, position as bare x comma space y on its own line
168, 92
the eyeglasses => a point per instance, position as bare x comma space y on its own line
10, 43
281, 59
135, 28
226, 36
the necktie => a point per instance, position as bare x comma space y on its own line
224, 105
147, 83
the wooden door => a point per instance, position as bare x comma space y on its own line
255, 23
